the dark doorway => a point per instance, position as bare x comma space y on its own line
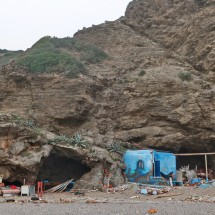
157, 169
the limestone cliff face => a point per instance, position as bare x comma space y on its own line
186, 27
21, 151
156, 90
163, 38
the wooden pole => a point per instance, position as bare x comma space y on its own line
206, 168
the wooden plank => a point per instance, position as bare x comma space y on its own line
177, 194
195, 154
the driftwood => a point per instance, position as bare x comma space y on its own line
178, 194
76, 190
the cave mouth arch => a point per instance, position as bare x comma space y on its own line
59, 168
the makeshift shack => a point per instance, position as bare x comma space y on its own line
150, 166
205, 172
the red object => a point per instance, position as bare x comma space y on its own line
13, 187
40, 189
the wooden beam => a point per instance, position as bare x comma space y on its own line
195, 154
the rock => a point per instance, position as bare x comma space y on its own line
92, 180
10, 200
117, 178
155, 91
17, 147
35, 198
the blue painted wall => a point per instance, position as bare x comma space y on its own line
131, 159
167, 162
139, 164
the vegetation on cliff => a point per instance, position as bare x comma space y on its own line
6, 56
66, 55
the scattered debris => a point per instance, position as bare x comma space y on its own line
134, 197
92, 201
152, 189
178, 194
8, 191
34, 198
60, 188
152, 211
205, 198
10, 200
62, 200
79, 193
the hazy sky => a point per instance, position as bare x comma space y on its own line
23, 22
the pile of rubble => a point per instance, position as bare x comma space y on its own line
205, 198
152, 189
142, 188
196, 176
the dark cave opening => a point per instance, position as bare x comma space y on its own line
58, 168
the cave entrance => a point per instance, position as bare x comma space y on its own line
57, 168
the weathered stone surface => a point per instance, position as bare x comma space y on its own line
135, 97
91, 180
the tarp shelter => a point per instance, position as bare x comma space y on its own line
149, 166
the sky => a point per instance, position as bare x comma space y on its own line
23, 22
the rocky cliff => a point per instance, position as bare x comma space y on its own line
155, 90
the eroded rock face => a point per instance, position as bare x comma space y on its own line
186, 27
92, 180
28, 153
21, 150
135, 97
164, 39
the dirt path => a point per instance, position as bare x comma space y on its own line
163, 208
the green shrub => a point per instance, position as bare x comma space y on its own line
79, 141
22, 122
117, 147
8, 56
53, 55
89, 53
54, 61
76, 140
142, 73
185, 76
93, 55
61, 139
